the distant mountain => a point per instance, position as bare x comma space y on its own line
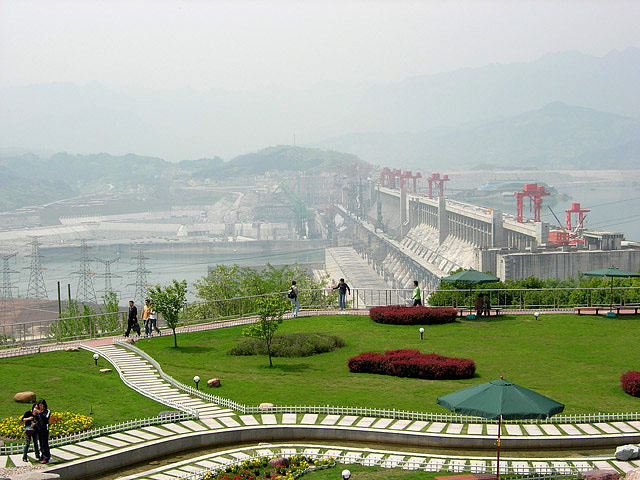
179, 124
557, 135
28, 179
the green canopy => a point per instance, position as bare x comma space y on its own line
470, 277
500, 399
611, 272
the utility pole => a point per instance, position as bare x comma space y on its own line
36, 288
86, 292
7, 309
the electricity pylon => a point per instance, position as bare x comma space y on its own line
36, 288
141, 284
86, 292
7, 309
107, 273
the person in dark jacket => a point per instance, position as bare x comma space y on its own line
479, 304
132, 322
42, 420
342, 288
30, 432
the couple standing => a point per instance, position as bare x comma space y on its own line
36, 428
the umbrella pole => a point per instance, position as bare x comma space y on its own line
611, 297
498, 444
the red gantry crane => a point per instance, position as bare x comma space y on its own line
575, 208
437, 181
535, 193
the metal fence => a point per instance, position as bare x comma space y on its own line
528, 299
427, 464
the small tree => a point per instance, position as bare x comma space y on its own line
270, 309
169, 301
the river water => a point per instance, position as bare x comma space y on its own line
164, 261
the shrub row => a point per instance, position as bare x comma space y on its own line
631, 383
290, 346
400, 315
413, 364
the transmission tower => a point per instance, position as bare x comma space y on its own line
86, 292
36, 287
142, 286
6, 297
107, 273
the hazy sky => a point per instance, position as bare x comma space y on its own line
245, 45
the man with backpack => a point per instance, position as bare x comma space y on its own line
293, 298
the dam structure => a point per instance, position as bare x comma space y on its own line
406, 236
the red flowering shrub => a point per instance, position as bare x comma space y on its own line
420, 315
413, 364
631, 383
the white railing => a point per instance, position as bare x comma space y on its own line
106, 430
376, 412
157, 398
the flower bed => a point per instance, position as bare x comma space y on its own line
61, 424
412, 364
420, 315
272, 468
631, 383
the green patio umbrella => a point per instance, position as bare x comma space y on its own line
470, 277
501, 400
611, 272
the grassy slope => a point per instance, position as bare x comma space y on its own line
574, 359
70, 381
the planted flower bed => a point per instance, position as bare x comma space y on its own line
271, 468
412, 364
631, 383
61, 424
420, 315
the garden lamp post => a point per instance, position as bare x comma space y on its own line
95, 358
537, 314
196, 380
421, 333
346, 474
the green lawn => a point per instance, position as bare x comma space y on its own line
70, 381
577, 360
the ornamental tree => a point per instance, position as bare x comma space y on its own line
270, 309
169, 301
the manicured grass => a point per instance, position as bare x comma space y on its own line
576, 360
70, 381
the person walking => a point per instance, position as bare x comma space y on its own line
293, 298
153, 319
30, 432
417, 299
42, 421
146, 311
342, 288
132, 321
479, 304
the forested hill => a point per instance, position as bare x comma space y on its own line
28, 179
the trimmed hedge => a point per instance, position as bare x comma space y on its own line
412, 364
420, 315
631, 383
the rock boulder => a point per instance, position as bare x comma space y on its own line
266, 406
600, 475
627, 452
213, 382
25, 397
105, 370
279, 462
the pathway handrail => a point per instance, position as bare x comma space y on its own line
157, 398
178, 416
375, 412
